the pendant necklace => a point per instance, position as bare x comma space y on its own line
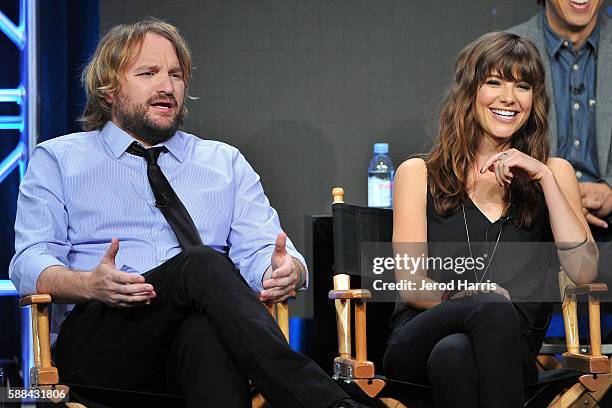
467, 233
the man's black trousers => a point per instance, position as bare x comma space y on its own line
204, 336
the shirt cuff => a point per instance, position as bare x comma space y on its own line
31, 270
257, 269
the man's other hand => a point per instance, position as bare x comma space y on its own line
116, 288
284, 274
597, 202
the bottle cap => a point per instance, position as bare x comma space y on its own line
381, 148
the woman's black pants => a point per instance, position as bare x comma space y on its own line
470, 350
204, 336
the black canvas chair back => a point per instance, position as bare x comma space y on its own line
355, 226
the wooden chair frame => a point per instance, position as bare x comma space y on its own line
45, 376
356, 369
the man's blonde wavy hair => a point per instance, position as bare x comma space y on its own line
111, 58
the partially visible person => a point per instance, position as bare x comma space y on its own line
575, 42
488, 185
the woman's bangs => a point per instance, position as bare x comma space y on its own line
515, 64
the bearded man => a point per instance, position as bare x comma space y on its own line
159, 246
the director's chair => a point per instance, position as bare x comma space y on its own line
581, 381
45, 376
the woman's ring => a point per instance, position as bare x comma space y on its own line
502, 156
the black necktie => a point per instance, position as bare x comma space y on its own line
166, 199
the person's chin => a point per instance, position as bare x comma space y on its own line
578, 24
579, 20
167, 129
502, 139
502, 135
164, 122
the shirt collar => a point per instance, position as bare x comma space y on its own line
177, 145
118, 140
593, 39
554, 42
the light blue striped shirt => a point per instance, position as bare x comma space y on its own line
82, 189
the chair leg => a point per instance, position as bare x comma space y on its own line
392, 403
258, 401
586, 401
567, 399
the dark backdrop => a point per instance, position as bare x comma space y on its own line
305, 87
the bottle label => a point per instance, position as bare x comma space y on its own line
380, 192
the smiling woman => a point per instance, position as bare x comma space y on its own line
497, 100
488, 178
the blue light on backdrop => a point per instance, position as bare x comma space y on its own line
23, 36
295, 333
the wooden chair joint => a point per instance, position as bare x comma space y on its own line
371, 387
43, 376
586, 289
585, 363
349, 294
593, 382
34, 299
350, 368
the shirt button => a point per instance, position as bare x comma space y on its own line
565, 43
576, 142
578, 174
576, 106
575, 66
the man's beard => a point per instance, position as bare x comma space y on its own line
133, 118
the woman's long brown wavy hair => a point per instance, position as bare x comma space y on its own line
453, 156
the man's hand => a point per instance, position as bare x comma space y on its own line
597, 202
284, 274
116, 288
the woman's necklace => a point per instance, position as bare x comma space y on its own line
467, 233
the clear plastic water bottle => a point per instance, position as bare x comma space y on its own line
380, 178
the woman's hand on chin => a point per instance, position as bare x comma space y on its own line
513, 163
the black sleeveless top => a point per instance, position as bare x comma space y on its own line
527, 271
